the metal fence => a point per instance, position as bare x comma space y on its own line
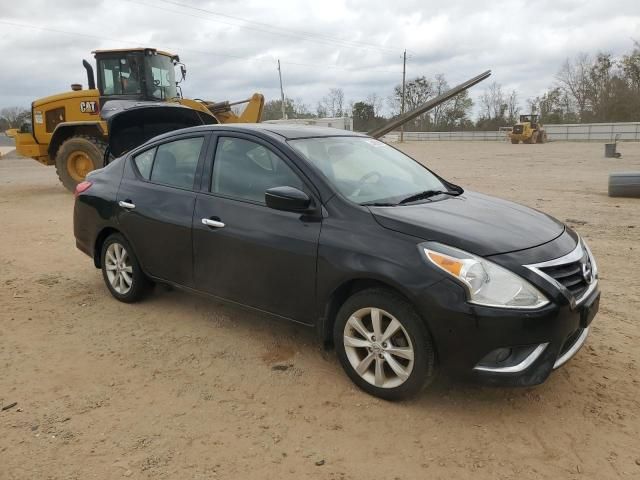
595, 132
584, 132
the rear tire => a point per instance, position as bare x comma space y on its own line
392, 360
76, 157
121, 270
514, 141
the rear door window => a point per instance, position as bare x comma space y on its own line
175, 163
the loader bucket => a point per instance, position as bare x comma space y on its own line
131, 125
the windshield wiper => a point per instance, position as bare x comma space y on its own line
428, 194
378, 204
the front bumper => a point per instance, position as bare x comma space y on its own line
532, 344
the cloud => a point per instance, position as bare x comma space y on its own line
353, 44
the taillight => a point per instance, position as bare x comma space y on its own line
82, 187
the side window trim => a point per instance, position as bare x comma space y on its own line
207, 177
206, 136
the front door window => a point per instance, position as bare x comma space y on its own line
244, 170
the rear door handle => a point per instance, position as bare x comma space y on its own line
212, 223
127, 205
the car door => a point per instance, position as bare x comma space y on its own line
248, 252
156, 201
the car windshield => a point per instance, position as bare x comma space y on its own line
367, 171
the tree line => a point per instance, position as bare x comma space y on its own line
589, 89
586, 89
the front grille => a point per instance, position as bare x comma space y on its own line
517, 129
571, 275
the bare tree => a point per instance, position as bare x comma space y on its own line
332, 105
573, 77
14, 116
440, 86
375, 101
493, 103
321, 109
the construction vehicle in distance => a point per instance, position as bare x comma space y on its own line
71, 130
528, 130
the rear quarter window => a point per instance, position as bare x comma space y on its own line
144, 162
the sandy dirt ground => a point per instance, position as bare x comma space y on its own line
183, 387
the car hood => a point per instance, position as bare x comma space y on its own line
474, 222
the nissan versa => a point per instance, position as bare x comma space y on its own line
401, 270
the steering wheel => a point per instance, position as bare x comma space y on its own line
364, 179
156, 83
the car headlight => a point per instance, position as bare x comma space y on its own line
487, 284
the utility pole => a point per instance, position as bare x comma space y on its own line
404, 76
284, 113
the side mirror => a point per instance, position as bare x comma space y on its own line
288, 199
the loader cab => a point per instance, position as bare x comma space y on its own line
143, 74
532, 119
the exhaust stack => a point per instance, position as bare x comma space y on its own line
91, 83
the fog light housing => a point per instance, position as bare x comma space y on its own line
510, 359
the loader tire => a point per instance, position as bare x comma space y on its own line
624, 184
515, 141
76, 157
542, 138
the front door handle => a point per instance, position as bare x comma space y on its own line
212, 223
127, 205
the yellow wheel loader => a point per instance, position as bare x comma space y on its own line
528, 130
71, 130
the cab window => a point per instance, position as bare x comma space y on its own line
120, 76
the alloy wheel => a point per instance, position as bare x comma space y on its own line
119, 268
378, 347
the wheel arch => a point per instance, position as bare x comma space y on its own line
100, 239
340, 294
64, 131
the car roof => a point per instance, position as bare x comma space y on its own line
286, 131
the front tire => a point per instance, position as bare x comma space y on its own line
383, 345
121, 270
76, 157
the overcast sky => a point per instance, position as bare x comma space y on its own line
231, 47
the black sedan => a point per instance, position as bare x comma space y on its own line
400, 270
